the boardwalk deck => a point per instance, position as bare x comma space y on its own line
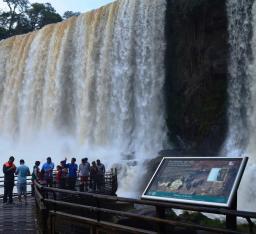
19, 218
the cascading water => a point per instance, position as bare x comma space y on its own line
241, 114
238, 89
90, 86
249, 191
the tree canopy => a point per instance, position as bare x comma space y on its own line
41, 15
21, 17
69, 14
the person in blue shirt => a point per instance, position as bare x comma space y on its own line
47, 169
72, 173
22, 171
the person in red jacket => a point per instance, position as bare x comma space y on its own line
9, 169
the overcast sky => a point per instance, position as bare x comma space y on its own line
71, 5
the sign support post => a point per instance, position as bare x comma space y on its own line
231, 220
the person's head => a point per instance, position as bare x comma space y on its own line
93, 163
49, 160
73, 160
62, 163
98, 161
84, 160
11, 159
37, 163
22, 161
58, 168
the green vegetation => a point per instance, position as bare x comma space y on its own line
22, 17
200, 219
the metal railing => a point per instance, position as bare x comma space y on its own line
100, 212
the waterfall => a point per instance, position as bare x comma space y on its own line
238, 13
242, 109
250, 175
89, 86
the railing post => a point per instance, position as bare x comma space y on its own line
231, 220
114, 182
160, 213
43, 211
98, 206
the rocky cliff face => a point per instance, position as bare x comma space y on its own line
196, 74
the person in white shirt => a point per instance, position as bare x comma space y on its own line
84, 173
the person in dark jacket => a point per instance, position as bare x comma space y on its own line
101, 176
93, 176
9, 169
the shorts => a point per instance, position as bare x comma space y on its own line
84, 178
22, 188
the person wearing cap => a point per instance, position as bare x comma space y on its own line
48, 170
9, 169
84, 172
35, 176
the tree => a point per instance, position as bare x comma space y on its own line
41, 15
21, 17
69, 14
16, 8
3, 33
23, 25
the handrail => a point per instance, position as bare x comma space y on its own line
145, 218
116, 227
221, 211
158, 205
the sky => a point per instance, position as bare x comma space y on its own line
71, 5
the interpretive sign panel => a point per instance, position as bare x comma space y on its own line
197, 180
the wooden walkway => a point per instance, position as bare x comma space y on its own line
19, 218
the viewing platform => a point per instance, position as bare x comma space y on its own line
19, 217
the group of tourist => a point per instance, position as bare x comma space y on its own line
9, 170
91, 177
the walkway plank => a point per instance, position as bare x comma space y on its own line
19, 218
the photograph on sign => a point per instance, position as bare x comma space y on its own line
200, 180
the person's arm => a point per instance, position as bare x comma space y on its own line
28, 172
103, 169
4, 169
76, 167
37, 173
17, 171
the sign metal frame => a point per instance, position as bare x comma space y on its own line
231, 195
